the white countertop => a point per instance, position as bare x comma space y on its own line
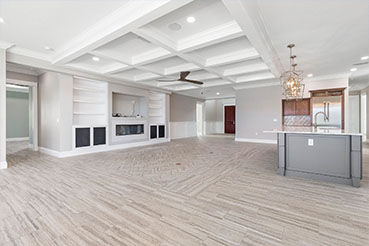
312, 130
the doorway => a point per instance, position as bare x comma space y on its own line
230, 119
200, 118
22, 128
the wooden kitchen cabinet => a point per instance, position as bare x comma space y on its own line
289, 107
296, 107
302, 107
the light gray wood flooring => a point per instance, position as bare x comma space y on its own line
197, 191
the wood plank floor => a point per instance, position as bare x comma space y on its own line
198, 191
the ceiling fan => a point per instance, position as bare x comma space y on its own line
182, 77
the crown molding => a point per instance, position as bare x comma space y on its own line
327, 77
5, 45
30, 53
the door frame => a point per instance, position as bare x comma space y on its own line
32, 85
235, 115
202, 105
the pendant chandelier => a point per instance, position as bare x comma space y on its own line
291, 80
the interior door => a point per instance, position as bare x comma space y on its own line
230, 119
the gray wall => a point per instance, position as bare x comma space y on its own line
214, 114
183, 116
55, 111
17, 114
183, 108
256, 110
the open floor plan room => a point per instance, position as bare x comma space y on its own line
184, 123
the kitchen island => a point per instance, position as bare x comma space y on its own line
332, 155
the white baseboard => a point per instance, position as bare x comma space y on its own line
17, 139
97, 149
256, 140
3, 165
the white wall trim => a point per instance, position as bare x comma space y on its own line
17, 139
3, 165
97, 149
256, 140
183, 129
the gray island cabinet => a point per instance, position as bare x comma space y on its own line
331, 155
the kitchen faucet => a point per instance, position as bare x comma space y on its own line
315, 116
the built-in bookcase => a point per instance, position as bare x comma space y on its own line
90, 110
156, 108
157, 115
89, 103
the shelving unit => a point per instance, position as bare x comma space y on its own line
157, 119
156, 107
89, 102
90, 118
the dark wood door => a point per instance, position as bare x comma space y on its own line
229, 119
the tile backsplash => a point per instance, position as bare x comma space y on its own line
297, 120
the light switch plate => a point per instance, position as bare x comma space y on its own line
310, 142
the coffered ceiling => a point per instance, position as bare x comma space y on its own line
229, 43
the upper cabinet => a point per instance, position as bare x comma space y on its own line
296, 107
289, 107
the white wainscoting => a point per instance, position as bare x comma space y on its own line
182, 129
256, 140
214, 127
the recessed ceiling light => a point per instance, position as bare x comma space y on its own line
95, 58
1, 20
191, 19
364, 58
48, 48
218, 93
353, 69
310, 75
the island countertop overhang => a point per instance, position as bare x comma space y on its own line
313, 130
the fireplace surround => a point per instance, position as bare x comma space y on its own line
129, 129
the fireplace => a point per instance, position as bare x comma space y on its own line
129, 129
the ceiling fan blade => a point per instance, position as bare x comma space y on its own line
183, 75
167, 80
192, 81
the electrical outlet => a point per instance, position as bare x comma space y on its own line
310, 142
256, 133
275, 120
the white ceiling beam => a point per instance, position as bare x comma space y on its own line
245, 69
45, 65
237, 56
151, 56
221, 33
248, 16
158, 40
134, 13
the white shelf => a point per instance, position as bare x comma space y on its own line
87, 113
155, 98
88, 101
155, 106
155, 115
89, 89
